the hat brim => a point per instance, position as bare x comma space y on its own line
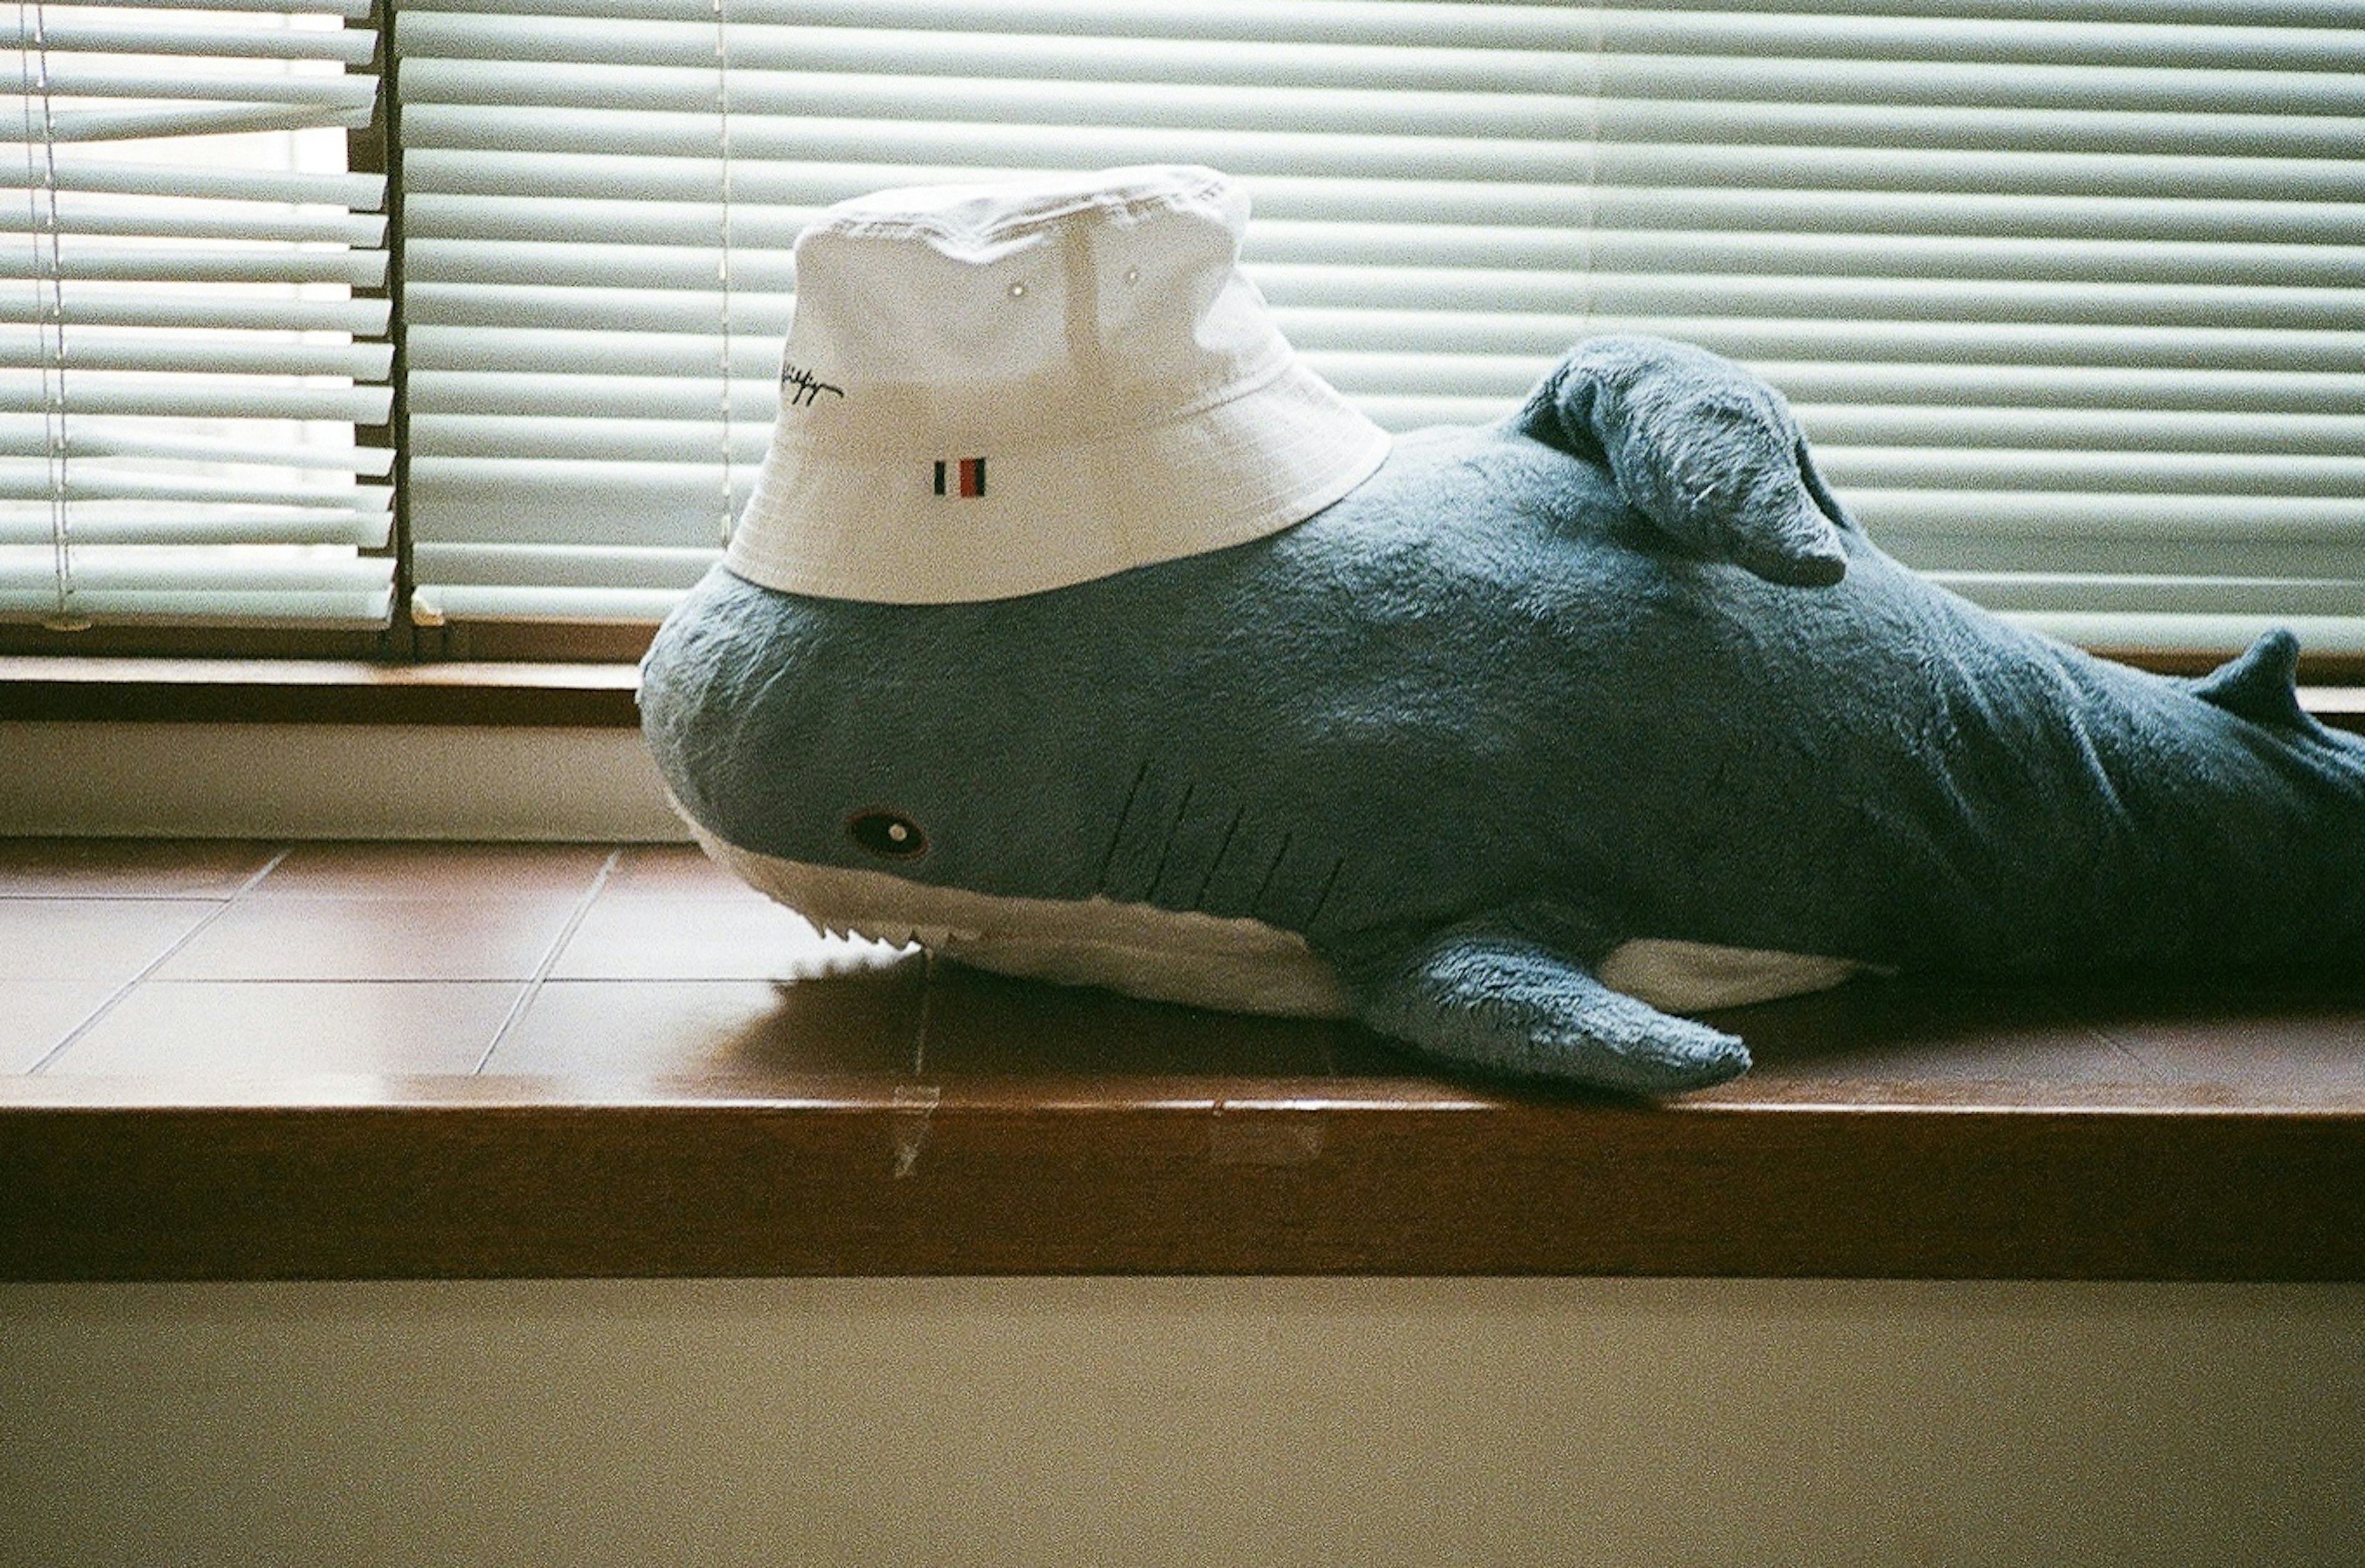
841, 524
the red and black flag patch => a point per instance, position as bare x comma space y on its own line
963, 477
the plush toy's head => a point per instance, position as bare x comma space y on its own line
991, 391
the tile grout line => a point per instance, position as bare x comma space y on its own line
123, 992
549, 959
2144, 1068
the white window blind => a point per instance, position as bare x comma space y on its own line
2069, 293
182, 361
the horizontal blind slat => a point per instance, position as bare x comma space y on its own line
1514, 26
437, 601
1874, 340
1886, 298
1647, 90
28, 435
1761, 247
1381, 58
128, 568
556, 581
679, 266
21, 481
2033, 396
826, 163
2213, 520
203, 585
688, 399
1517, 27
568, 566
74, 27
198, 120
21, 257
441, 180
524, 350
351, 11
584, 438
127, 395
529, 501
2121, 474
228, 308
147, 219
24, 347
156, 523
75, 169
1781, 160
71, 77
592, 308
1896, 295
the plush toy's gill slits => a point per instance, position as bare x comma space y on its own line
1198, 844
1207, 880
1264, 886
1329, 886
2261, 685
1166, 847
1116, 835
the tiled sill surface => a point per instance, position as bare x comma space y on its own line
230, 1058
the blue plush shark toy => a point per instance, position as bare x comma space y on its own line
1535, 737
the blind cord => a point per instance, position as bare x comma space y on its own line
1592, 179
723, 268
48, 303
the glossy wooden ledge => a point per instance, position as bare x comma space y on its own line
898, 1175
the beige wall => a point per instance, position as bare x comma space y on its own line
1133, 1422
332, 781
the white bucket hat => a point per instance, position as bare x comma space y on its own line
993, 390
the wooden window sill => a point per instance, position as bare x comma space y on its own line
377, 1062
504, 1177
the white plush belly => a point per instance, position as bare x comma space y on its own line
1243, 966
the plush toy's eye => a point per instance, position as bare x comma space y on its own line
896, 836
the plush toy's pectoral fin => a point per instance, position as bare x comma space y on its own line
1709, 454
1515, 1006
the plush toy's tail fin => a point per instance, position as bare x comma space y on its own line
2259, 685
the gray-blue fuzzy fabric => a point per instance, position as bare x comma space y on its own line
1620, 667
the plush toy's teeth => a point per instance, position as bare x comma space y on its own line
900, 934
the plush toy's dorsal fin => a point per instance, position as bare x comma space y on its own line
2259, 686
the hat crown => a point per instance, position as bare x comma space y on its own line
1097, 286
1076, 361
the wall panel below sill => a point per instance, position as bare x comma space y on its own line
331, 780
